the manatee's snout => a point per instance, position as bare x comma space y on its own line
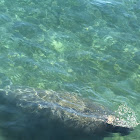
118, 129
113, 128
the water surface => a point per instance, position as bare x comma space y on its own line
89, 47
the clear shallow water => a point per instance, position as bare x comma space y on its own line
90, 47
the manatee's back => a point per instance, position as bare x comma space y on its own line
68, 108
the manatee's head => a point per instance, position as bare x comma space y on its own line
115, 126
122, 121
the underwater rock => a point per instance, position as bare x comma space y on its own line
63, 113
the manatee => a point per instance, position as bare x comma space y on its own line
61, 112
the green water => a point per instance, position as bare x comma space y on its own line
91, 47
